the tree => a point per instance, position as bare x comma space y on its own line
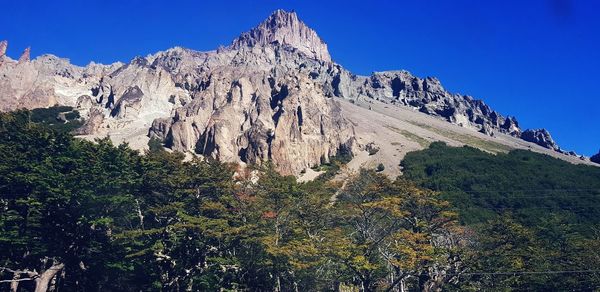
531, 214
389, 232
61, 198
189, 226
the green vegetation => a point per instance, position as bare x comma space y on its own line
90, 216
415, 138
331, 168
59, 118
380, 167
372, 149
532, 213
410, 136
155, 144
486, 145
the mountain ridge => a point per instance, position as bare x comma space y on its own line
273, 94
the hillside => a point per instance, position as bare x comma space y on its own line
532, 212
111, 218
273, 94
265, 165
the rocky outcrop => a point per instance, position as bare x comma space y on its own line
3, 46
596, 158
540, 137
426, 95
486, 129
286, 29
25, 56
254, 101
94, 121
260, 104
45, 81
270, 95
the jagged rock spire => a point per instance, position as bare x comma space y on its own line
25, 56
541, 137
3, 46
285, 28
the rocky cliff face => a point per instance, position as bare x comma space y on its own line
45, 81
258, 103
270, 95
262, 98
426, 95
596, 158
540, 137
284, 28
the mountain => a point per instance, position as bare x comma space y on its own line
596, 158
273, 94
285, 28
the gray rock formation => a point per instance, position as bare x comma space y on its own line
45, 81
426, 95
596, 158
286, 29
25, 56
3, 46
270, 95
486, 129
259, 103
540, 137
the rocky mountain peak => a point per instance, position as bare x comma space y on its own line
26, 55
3, 46
269, 96
287, 29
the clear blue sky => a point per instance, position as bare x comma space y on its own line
538, 60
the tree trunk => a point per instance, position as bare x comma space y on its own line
42, 283
14, 285
278, 284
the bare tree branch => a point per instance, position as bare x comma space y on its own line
17, 280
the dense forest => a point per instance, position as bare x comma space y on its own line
533, 214
89, 216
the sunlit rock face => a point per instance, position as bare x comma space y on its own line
286, 29
265, 97
270, 95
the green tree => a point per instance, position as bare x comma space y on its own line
61, 199
388, 233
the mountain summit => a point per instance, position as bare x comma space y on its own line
285, 28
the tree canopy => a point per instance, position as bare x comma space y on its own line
533, 214
81, 215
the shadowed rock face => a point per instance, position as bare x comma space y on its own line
270, 95
596, 158
540, 137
